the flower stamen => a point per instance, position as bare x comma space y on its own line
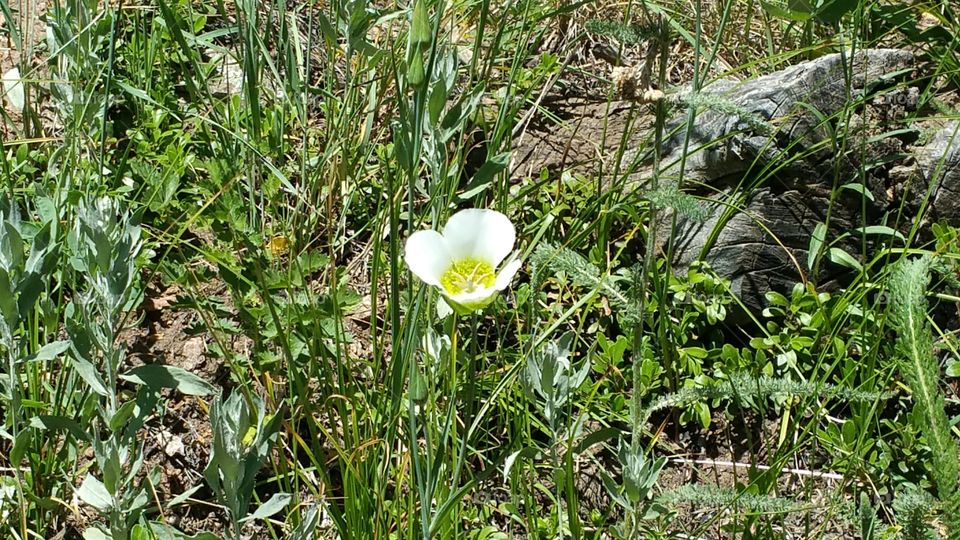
468, 275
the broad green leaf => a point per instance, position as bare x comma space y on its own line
20, 446
881, 230
165, 532
694, 352
489, 533
418, 385
29, 289
95, 533
89, 374
308, 525
596, 437
841, 257
776, 299
615, 491
141, 532
8, 300
784, 13
94, 493
124, 412
275, 504
49, 351
163, 376
60, 423
484, 176
832, 11
859, 188
953, 368
437, 101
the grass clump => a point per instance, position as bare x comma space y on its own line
233, 303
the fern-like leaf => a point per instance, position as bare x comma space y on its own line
908, 312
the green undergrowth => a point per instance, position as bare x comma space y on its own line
246, 175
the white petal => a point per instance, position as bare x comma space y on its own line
487, 235
427, 256
506, 274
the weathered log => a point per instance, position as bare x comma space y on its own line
791, 102
939, 166
765, 146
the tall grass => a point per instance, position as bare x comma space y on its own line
276, 155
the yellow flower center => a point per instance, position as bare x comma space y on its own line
467, 275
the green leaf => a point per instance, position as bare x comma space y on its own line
784, 13
859, 188
596, 437
868, 518
776, 299
841, 257
528, 452
694, 352
452, 501
20, 446
832, 11
182, 498
123, 414
484, 176
308, 525
458, 114
141, 532
94, 493
49, 351
89, 374
816, 244
275, 504
881, 230
165, 532
615, 491
703, 412
953, 368
139, 94
418, 385
60, 423
163, 376
8, 300
29, 289
96, 533
438, 99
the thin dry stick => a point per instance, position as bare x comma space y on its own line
734, 464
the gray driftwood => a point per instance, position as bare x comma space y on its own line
765, 148
938, 167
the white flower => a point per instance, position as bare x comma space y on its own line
462, 262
